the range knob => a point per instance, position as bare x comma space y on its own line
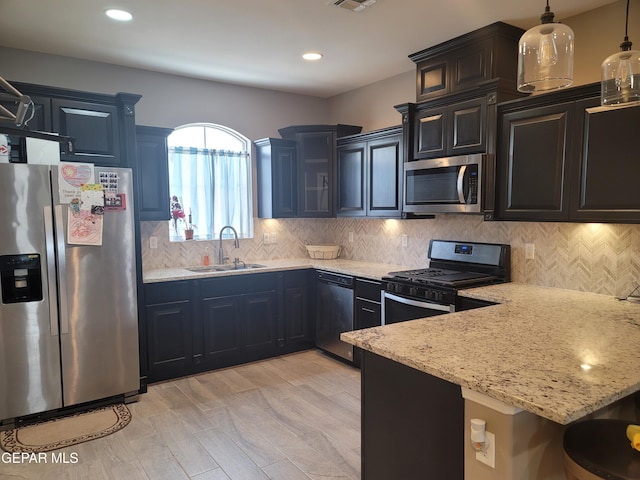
413, 291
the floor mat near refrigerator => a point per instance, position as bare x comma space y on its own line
64, 432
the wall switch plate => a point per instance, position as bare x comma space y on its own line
529, 251
153, 242
350, 237
488, 457
405, 240
269, 238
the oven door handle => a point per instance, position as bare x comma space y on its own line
416, 303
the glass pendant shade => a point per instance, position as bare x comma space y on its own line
545, 56
621, 78
621, 75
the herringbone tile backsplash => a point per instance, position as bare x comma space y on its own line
599, 258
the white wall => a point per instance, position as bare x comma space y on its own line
598, 34
170, 100
372, 106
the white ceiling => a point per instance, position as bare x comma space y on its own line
259, 42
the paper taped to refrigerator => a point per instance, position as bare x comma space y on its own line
71, 177
84, 228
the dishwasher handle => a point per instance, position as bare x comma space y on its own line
345, 281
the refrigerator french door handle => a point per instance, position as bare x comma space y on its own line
51, 270
62, 272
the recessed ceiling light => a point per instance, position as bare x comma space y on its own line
120, 15
312, 56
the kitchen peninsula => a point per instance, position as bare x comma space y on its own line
540, 359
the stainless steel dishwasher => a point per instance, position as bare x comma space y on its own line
334, 312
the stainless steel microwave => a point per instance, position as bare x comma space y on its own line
447, 185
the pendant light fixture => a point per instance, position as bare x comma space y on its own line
621, 74
545, 56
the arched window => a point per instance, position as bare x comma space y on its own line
209, 182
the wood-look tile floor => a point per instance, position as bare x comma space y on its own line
295, 417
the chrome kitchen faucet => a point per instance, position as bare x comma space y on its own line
236, 243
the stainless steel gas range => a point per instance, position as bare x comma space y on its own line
453, 265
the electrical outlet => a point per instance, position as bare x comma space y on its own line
269, 238
350, 237
529, 251
405, 240
153, 242
488, 457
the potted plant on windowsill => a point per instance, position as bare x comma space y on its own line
177, 215
188, 231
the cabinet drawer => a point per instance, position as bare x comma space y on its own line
166, 292
238, 284
368, 289
297, 278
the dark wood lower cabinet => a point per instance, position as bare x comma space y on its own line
199, 325
412, 423
259, 324
299, 324
169, 317
368, 309
221, 331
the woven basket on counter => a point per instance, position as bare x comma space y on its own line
323, 252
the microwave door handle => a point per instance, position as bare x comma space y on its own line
460, 184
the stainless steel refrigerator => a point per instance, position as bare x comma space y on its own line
68, 317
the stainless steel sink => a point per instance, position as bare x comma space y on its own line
225, 268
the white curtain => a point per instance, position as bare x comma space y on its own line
215, 187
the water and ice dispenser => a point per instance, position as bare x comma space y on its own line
21, 278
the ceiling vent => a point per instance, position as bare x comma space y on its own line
353, 5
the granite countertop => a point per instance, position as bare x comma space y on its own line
373, 271
527, 351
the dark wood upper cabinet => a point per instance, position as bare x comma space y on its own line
608, 169
369, 167
316, 161
465, 62
94, 128
384, 180
562, 157
451, 129
352, 183
102, 126
152, 172
277, 170
532, 160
